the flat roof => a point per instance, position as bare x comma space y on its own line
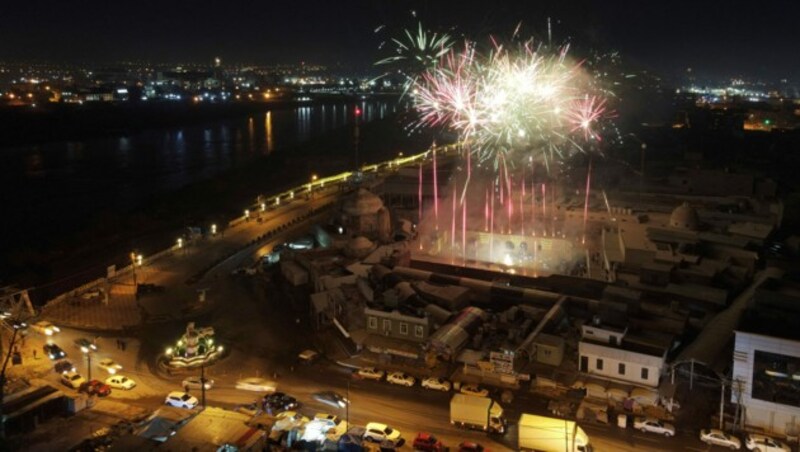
213, 428
772, 322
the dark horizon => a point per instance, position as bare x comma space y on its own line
715, 39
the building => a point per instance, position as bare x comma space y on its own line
398, 325
766, 360
607, 350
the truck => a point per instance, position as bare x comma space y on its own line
549, 434
478, 413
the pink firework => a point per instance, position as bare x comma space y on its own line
584, 115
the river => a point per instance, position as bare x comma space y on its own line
57, 191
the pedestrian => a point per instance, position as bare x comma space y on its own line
34, 354
118, 346
123, 346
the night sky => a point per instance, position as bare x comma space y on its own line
714, 37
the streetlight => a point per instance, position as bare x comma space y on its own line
180, 242
247, 213
133, 269
263, 207
139, 260
19, 327
88, 352
213, 229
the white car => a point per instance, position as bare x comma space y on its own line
474, 390
257, 384
181, 400
653, 425
436, 383
370, 373
72, 379
194, 383
45, 327
378, 433
716, 437
762, 443
401, 378
109, 365
120, 382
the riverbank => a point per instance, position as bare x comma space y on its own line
64, 261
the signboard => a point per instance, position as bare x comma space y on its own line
503, 361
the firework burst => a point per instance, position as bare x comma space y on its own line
528, 102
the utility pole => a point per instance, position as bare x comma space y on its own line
203, 384
722, 405
347, 410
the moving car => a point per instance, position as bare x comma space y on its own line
308, 357
427, 442
400, 378
64, 366
436, 383
716, 437
72, 379
257, 384
279, 401
652, 425
369, 373
762, 443
378, 433
95, 387
181, 400
109, 365
53, 351
120, 382
331, 398
85, 345
45, 327
194, 383
475, 390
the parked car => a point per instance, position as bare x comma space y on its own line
256, 384
428, 443
64, 366
378, 433
181, 400
436, 383
85, 345
474, 390
331, 398
53, 351
716, 437
194, 383
279, 401
45, 327
338, 425
72, 379
468, 446
369, 373
401, 378
652, 425
762, 443
95, 387
109, 365
120, 382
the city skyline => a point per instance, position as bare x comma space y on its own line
712, 39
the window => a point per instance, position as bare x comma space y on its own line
404, 329
387, 325
373, 323
645, 373
419, 331
599, 364
621, 368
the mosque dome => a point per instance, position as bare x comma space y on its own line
363, 202
684, 217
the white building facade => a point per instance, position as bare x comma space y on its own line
766, 382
